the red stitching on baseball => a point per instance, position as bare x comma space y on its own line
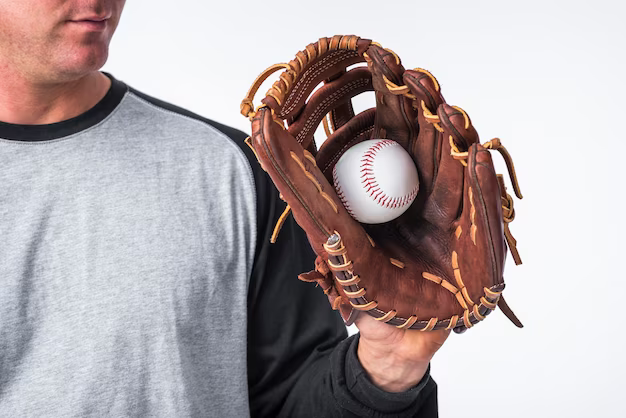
369, 186
340, 193
369, 182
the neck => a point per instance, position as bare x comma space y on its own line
25, 102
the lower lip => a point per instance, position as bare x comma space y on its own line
90, 25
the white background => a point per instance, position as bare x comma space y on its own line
547, 78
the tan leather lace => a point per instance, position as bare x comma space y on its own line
247, 106
388, 50
404, 90
279, 224
293, 69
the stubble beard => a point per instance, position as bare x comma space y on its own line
55, 59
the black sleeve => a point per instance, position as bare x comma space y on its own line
300, 361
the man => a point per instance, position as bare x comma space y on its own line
136, 273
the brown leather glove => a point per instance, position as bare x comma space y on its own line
440, 264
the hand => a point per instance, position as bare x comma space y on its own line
395, 359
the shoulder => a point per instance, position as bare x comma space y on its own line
175, 124
185, 118
171, 118
178, 126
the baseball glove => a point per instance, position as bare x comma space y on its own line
440, 264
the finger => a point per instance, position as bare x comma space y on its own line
458, 134
426, 150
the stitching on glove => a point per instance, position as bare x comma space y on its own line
309, 157
466, 319
313, 180
387, 317
488, 304
310, 123
325, 63
294, 68
477, 314
365, 307
431, 324
397, 90
396, 263
459, 280
430, 117
448, 286
453, 321
473, 228
289, 77
341, 265
491, 294
349, 282
359, 293
405, 90
456, 153
408, 323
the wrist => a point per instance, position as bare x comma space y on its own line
388, 369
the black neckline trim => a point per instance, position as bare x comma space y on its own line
71, 126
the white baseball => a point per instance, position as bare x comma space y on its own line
376, 181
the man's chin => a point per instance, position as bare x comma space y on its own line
82, 63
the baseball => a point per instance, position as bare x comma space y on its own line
376, 181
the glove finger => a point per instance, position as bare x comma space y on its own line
458, 134
426, 150
395, 115
478, 246
482, 216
